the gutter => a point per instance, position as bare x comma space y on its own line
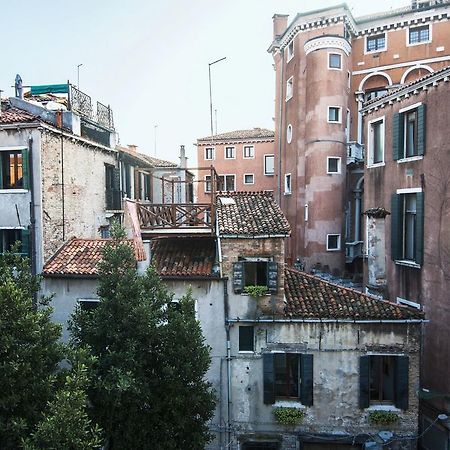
236, 320
256, 236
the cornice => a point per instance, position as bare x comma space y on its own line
323, 42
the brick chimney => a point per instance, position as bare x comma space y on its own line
280, 22
183, 159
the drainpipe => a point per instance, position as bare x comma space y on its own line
280, 128
227, 329
358, 193
360, 100
63, 205
32, 214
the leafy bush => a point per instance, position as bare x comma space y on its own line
288, 416
383, 417
255, 291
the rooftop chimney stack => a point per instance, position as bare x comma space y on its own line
18, 86
280, 22
183, 159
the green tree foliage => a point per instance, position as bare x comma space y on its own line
29, 352
148, 389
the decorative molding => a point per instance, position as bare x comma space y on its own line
327, 42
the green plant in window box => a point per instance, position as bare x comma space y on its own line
255, 291
383, 418
288, 415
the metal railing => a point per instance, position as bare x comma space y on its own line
355, 152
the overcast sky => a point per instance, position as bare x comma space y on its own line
149, 60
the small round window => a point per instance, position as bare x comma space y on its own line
289, 134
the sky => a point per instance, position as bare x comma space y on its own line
149, 59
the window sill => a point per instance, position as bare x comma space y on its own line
14, 191
374, 166
418, 43
374, 52
382, 407
289, 404
410, 159
288, 193
407, 263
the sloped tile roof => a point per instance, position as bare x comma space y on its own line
254, 133
78, 257
184, 257
146, 159
310, 297
156, 162
14, 115
250, 214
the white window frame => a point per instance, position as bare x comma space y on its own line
225, 187
225, 152
289, 133
290, 50
338, 165
249, 174
253, 152
404, 301
213, 153
289, 88
265, 165
367, 37
339, 108
370, 142
430, 34
287, 187
329, 60
405, 158
339, 242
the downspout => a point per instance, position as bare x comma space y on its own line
358, 194
280, 128
63, 205
227, 330
360, 100
32, 215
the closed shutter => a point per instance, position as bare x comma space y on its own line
25, 169
421, 126
396, 227
420, 213
268, 378
306, 375
364, 382
25, 239
272, 277
397, 137
238, 277
401, 381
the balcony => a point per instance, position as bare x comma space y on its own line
353, 250
355, 152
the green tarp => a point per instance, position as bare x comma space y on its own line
50, 89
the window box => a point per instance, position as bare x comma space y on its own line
288, 415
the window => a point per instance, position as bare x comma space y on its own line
290, 51
376, 142
419, 35
333, 242
226, 183
289, 88
112, 188
249, 151
208, 183
255, 272
249, 178
334, 61
287, 184
289, 134
14, 169
407, 211
230, 152
8, 237
334, 114
88, 304
288, 376
207, 217
376, 43
333, 164
246, 338
269, 164
384, 380
210, 153
374, 93
408, 133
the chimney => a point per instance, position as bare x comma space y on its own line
280, 22
18, 86
132, 147
183, 159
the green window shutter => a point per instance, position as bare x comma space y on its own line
396, 226
272, 277
25, 169
306, 375
364, 382
401, 381
420, 213
268, 378
397, 137
25, 239
421, 126
238, 277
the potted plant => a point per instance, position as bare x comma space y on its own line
383, 418
260, 294
288, 415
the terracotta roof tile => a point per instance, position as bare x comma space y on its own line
254, 133
250, 214
14, 115
184, 257
78, 257
146, 159
310, 297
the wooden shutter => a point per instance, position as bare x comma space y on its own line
401, 381
397, 137
25, 239
25, 169
116, 178
396, 227
364, 382
268, 378
272, 277
420, 213
306, 375
238, 277
421, 126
